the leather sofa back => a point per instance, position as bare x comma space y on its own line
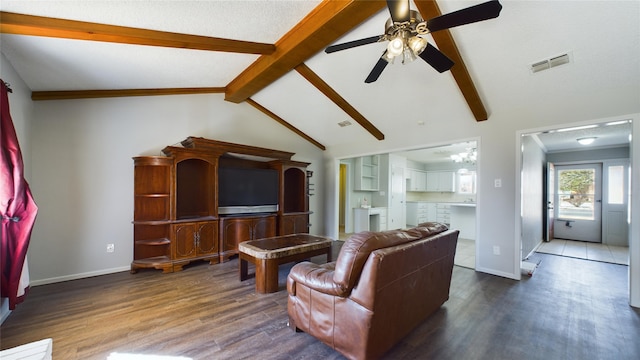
356, 250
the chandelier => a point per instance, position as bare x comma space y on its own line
468, 157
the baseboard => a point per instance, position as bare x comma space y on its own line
78, 276
499, 273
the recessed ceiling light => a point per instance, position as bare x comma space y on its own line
587, 140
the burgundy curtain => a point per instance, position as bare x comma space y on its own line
17, 208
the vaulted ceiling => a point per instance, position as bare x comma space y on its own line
269, 55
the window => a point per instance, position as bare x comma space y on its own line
615, 191
576, 192
466, 181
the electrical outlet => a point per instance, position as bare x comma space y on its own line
496, 250
111, 248
497, 183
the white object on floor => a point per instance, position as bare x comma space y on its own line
37, 350
527, 268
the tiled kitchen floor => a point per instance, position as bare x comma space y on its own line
465, 253
586, 250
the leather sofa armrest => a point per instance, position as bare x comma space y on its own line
314, 276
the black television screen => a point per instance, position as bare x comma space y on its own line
247, 187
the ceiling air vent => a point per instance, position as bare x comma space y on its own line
344, 123
550, 63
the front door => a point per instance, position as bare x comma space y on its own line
578, 202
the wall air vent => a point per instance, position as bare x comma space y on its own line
550, 63
344, 123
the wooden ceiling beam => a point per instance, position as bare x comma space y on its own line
283, 122
19, 24
329, 92
322, 26
429, 9
91, 94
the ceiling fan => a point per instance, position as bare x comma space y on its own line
403, 32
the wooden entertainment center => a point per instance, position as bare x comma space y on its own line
176, 217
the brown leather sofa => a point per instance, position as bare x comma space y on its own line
382, 285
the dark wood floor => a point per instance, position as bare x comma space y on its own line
569, 309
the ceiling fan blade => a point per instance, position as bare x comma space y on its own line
377, 70
436, 58
352, 44
480, 12
399, 10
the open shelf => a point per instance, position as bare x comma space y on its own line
154, 242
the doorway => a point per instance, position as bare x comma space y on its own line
398, 172
578, 199
585, 193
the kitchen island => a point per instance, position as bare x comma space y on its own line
463, 218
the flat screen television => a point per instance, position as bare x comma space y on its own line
247, 190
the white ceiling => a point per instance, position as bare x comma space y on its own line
602, 37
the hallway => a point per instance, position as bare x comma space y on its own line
586, 250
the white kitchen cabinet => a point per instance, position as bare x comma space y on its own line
443, 213
441, 181
463, 218
419, 212
417, 180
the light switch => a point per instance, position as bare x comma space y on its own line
497, 183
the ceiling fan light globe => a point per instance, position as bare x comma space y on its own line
417, 44
395, 47
388, 57
408, 55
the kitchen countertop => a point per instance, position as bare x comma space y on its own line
463, 204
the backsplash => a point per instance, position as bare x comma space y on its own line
439, 197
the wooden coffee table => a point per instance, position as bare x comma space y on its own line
267, 254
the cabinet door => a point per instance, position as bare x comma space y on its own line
184, 241
432, 214
294, 224
433, 181
447, 181
441, 181
264, 227
235, 231
412, 214
207, 236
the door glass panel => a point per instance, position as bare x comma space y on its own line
576, 194
615, 189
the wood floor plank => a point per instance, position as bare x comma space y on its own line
569, 309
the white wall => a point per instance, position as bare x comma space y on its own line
83, 171
22, 112
533, 164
